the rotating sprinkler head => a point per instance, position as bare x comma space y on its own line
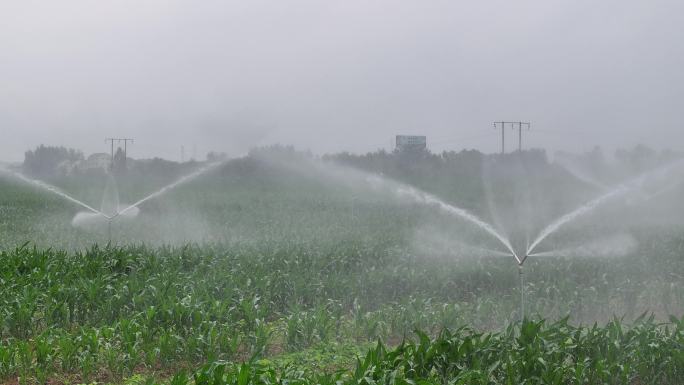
520, 260
87, 220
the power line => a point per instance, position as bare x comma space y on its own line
461, 139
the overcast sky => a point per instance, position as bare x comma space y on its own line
338, 75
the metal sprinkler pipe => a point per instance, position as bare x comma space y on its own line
521, 275
110, 219
522, 292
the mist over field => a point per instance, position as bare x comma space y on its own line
393, 192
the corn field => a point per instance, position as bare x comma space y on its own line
293, 283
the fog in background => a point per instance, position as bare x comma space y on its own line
335, 76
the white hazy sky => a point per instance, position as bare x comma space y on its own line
338, 75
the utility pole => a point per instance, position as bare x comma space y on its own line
502, 125
119, 140
520, 126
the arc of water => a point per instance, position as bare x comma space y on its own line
163, 190
486, 251
51, 189
615, 245
418, 196
425, 198
580, 175
591, 205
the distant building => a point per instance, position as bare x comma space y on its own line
99, 160
67, 167
411, 142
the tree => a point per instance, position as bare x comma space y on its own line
44, 160
119, 162
216, 156
638, 159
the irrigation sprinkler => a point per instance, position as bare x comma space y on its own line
92, 216
112, 208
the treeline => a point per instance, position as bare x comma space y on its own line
56, 161
474, 179
45, 160
414, 166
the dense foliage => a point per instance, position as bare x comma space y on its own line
110, 312
533, 353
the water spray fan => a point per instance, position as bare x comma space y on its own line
110, 209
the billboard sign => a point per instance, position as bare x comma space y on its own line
411, 141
